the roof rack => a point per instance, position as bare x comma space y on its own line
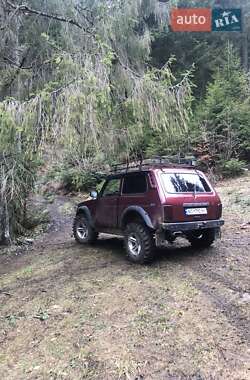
154, 162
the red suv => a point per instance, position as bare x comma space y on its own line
151, 204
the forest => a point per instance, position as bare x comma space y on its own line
88, 83
144, 276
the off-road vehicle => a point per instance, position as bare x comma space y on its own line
151, 204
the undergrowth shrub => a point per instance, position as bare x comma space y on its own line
232, 168
76, 178
79, 180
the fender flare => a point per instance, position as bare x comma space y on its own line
141, 212
85, 210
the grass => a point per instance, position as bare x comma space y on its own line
86, 313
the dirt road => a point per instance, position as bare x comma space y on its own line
68, 312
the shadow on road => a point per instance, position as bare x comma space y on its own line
172, 253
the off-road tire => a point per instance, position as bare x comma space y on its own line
145, 239
91, 235
204, 240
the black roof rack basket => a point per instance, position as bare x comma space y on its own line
156, 161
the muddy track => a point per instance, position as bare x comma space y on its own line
186, 316
221, 279
231, 310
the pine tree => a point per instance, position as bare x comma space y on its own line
224, 115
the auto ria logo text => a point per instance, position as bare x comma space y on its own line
206, 20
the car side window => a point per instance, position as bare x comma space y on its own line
112, 187
135, 184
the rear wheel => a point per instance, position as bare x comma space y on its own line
203, 238
83, 232
139, 243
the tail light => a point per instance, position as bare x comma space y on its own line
152, 180
219, 210
168, 213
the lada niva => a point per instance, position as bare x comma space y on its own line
151, 204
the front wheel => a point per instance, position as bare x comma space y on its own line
83, 232
203, 238
139, 243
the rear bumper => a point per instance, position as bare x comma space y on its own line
188, 226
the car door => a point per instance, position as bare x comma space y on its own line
135, 192
107, 204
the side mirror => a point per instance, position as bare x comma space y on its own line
93, 194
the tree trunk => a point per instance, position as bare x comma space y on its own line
5, 224
245, 43
5, 237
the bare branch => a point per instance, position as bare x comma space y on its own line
82, 12
9, 19
27, 10
6, 59
16, 73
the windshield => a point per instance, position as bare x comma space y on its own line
185, 183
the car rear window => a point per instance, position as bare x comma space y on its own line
134, 184
185, 183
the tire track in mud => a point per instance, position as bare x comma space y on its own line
223, 288
229, 309
225, 281
69, 270
60, 274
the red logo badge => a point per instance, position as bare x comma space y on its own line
191, 20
